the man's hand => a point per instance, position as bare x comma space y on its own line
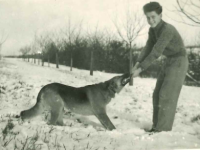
136, 72
135, 67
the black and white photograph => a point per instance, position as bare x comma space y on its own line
99, 74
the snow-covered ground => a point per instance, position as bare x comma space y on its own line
130, 111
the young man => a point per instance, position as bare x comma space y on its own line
163, 39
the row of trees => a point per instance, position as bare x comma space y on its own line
94, 53
194, 66
70, 45
112, 56
103, 51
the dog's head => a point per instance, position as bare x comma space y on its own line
117, 83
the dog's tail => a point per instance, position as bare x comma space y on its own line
32, 112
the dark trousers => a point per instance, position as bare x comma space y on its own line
167, 90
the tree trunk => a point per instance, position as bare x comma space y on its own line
48, 61
34, 58
131, 65
42, 59
71, 60
38, 57
57, 60
91, 63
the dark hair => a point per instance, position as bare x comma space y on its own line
152, 6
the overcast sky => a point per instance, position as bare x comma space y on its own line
21, 19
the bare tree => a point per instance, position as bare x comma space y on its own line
95, 39
58, 42
2, 41
188, 11
109, 36
48, 47
34, 47
25, 51
71, 34
44, 41
129, 30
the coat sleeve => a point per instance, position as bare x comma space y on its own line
164, 39
147, 49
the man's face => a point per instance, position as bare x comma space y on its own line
153, 18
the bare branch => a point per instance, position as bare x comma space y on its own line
72, 33
195, 5
119, 31
183, 22
189, 14
131, 27
96, 36
182, 18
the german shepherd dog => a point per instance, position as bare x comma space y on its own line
87, 100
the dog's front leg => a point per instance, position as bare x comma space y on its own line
104, 119
98, 105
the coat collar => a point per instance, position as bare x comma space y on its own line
159, 25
